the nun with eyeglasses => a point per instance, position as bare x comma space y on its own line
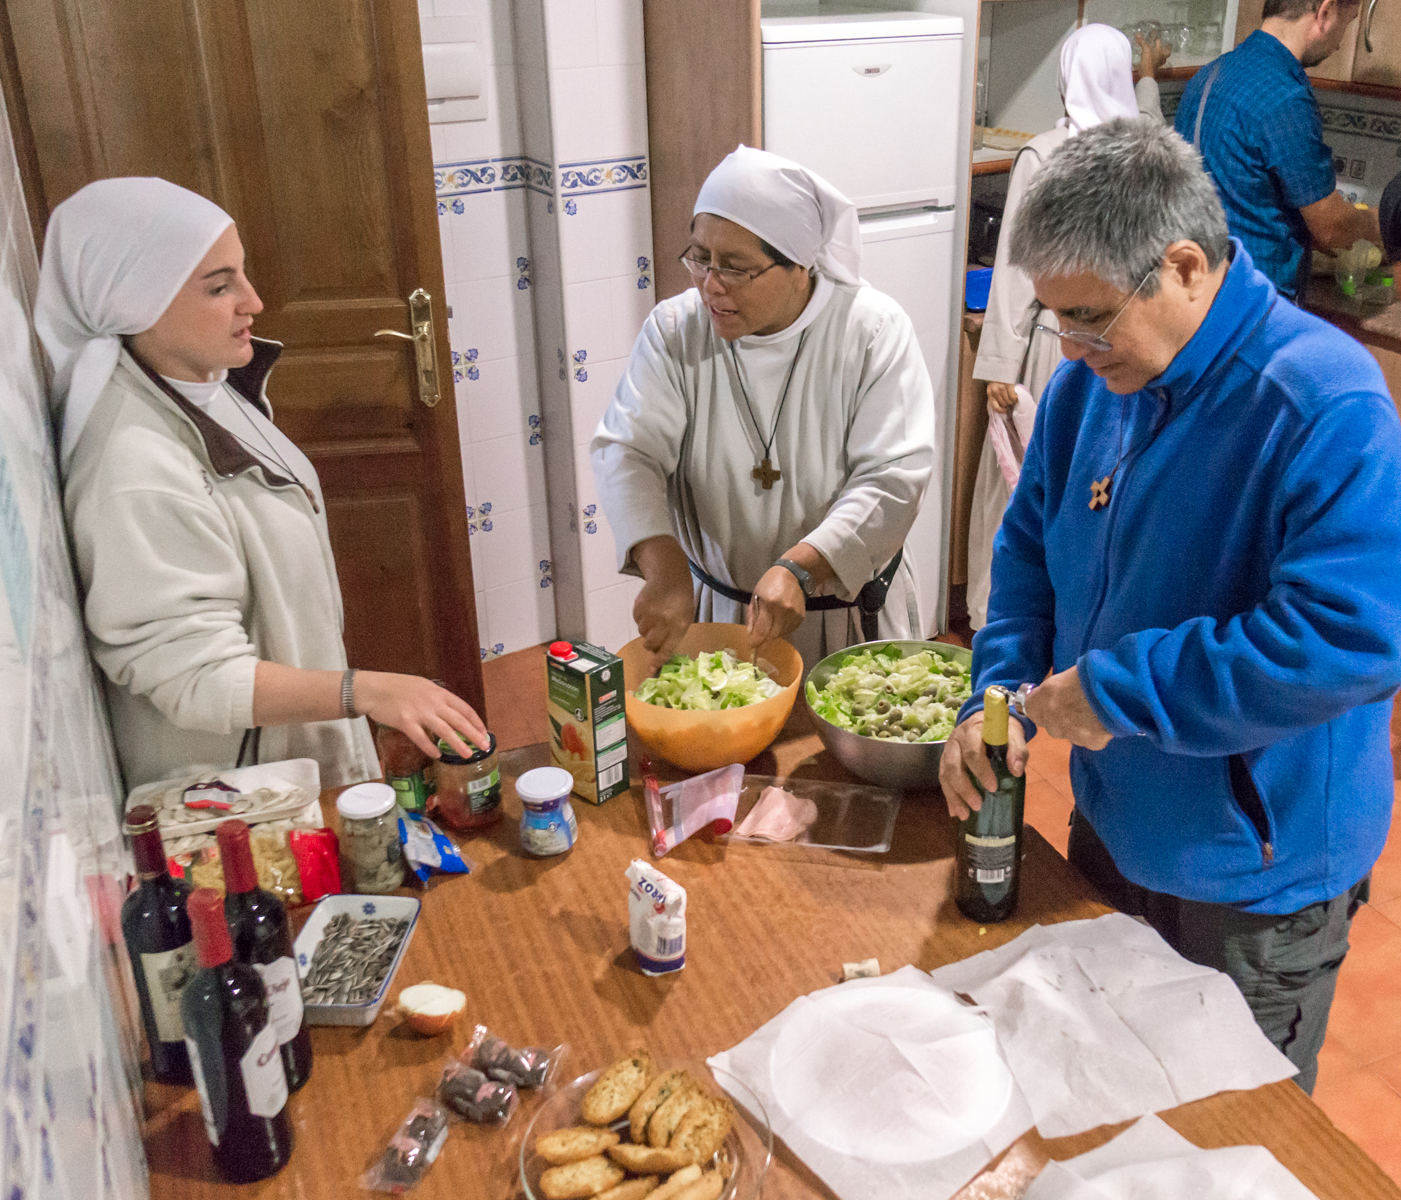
770, 442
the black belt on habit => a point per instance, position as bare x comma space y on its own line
869, 600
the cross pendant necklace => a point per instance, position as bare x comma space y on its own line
766, 474
1099, 488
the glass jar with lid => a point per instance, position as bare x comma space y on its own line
371, 858
467, 791
548, 824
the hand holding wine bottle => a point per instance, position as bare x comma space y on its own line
964, 770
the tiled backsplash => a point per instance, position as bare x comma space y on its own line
1365, 136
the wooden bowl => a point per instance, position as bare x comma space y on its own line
702, 741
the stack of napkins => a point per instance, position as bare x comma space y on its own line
1152, 1162
1102, 1021
888, 1087
909, 1084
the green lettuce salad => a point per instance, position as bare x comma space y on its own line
707, 682
879, 694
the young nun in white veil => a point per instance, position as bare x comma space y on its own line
1096, 85
209, 587
769, 445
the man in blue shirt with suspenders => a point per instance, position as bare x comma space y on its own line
1253, 116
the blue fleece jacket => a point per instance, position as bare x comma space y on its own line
1235, 612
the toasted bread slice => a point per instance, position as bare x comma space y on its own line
707, 1187
642, 1159
617, 1088
575, 1180
682, 1178
652, 1096
670, 1111
630, 1189
702, 1128
574, 1144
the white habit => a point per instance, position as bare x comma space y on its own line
855, 445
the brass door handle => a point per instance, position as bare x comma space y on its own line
1367, 28
421, 321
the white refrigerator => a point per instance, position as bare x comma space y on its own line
870, 102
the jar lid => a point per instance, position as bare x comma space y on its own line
562, 651
544, 784
453, 759
365, 800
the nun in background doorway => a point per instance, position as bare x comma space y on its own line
769, 445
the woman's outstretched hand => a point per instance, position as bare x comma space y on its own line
421, 710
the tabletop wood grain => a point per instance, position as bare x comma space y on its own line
540, 947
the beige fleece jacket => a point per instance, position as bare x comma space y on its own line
197, 561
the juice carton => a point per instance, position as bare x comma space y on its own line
588, 727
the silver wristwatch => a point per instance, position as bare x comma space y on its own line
803, 577
348, 694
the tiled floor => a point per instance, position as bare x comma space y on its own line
1359, 1079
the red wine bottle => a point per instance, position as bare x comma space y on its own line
156, 928
233, 1053
262, 938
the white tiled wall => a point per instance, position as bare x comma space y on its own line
547, 244
1364, 134
70, 1078
483, 178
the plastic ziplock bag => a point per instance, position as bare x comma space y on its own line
428, 848
1009, 434
708, 799
411, 1150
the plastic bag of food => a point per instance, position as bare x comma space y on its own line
427, 848
470, 1094
531, 1067
410, 1152
296, 865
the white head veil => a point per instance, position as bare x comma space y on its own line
797, 212
115, 255
1096, 77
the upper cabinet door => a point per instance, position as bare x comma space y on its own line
1378, 46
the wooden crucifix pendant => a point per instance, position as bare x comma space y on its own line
1099, 492
767, 474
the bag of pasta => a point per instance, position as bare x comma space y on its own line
297, 863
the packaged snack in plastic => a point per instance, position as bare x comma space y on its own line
531, 1067
297, 865
470, 1094
427, 848
410, 1152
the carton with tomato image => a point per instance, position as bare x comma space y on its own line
588, 729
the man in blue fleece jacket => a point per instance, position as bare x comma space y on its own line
1204, 553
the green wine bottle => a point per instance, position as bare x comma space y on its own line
988, 851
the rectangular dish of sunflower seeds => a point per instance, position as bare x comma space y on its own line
347, 954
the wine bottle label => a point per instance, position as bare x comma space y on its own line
991, 859
167, 974
284, 997
203, 1089
263, 1077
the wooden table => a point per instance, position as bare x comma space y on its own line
541, 949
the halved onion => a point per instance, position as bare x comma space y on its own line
431, 1008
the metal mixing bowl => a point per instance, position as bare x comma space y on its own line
904, 765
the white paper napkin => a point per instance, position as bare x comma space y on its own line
886, 1087
1151, 1161
1102, 1021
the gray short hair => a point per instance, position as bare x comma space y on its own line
1111, 201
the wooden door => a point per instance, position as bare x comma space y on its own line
308, 123
1378, 49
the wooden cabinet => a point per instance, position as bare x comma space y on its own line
1377, 51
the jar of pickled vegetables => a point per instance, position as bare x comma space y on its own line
403, 763
372, 860
467, 791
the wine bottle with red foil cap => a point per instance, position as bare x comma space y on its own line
262, 938
156, 929
233, 1053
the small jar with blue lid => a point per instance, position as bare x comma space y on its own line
548, 824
